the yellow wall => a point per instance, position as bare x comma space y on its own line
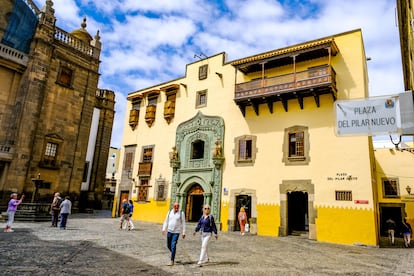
346, 226
268, 217
396, 164
391, 163
224, 215
153, 211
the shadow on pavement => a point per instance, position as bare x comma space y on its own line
24, 254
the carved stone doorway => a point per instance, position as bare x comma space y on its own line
194, 203
198, 160
292, 193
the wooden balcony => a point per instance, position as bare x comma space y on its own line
144, 169
309, 83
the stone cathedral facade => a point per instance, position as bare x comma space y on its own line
56, 123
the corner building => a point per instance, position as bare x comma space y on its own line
256, 132
56, 124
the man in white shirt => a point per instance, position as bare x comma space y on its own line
174, 224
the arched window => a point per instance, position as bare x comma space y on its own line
197, 149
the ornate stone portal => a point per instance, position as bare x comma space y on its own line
196, 161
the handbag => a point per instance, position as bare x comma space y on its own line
246, 227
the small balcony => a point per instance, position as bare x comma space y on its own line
144, 169
309, 83
14, 56
6, 152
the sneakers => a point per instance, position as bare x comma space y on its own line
200, 263
171, 263
9, 230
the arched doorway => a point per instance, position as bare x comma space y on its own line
298, 217
194, 203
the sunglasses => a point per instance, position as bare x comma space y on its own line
206, 208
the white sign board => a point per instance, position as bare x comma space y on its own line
374, 116
407, 113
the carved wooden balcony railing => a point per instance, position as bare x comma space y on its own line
133, 118
309, 83
150, 114
144, 169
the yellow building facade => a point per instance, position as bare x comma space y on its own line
256, 132
394, 175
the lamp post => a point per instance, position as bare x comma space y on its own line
37, 182
408, 189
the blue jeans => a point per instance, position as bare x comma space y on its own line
172, 239
63, 220
10, 216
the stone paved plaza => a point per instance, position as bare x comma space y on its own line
93, 245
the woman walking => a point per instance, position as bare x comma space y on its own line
242, 217
406, 230
207, 226
65, 210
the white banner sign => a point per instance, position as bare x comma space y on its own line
374, 116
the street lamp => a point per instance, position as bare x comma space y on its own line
408, 189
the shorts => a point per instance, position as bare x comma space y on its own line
124, 217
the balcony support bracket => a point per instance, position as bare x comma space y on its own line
270, 106
285, 104
300, 101
316, 97
333, 92
255, 106
242, 109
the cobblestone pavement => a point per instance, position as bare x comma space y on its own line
93, 245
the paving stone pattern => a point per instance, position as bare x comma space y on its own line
92, 244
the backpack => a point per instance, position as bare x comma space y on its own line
127, 208
57, 204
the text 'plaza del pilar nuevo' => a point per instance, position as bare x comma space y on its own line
257, 132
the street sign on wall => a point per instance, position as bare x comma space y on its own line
373, 116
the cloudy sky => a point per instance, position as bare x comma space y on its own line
146, 42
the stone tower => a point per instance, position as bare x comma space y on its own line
57, 122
